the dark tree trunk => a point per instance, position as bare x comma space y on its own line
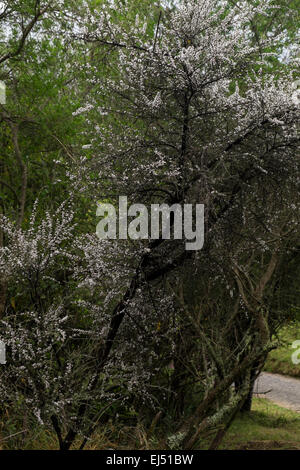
248, 402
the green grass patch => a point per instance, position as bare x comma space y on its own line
280, 360
266, 427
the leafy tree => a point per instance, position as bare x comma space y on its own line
191, 107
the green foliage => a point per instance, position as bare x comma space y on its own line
280, 360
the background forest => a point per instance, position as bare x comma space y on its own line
191, 102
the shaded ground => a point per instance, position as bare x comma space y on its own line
266, 427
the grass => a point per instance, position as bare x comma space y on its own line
266, 427
280, 360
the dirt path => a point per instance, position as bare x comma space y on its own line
282, 390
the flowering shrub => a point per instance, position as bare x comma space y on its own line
197, 113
